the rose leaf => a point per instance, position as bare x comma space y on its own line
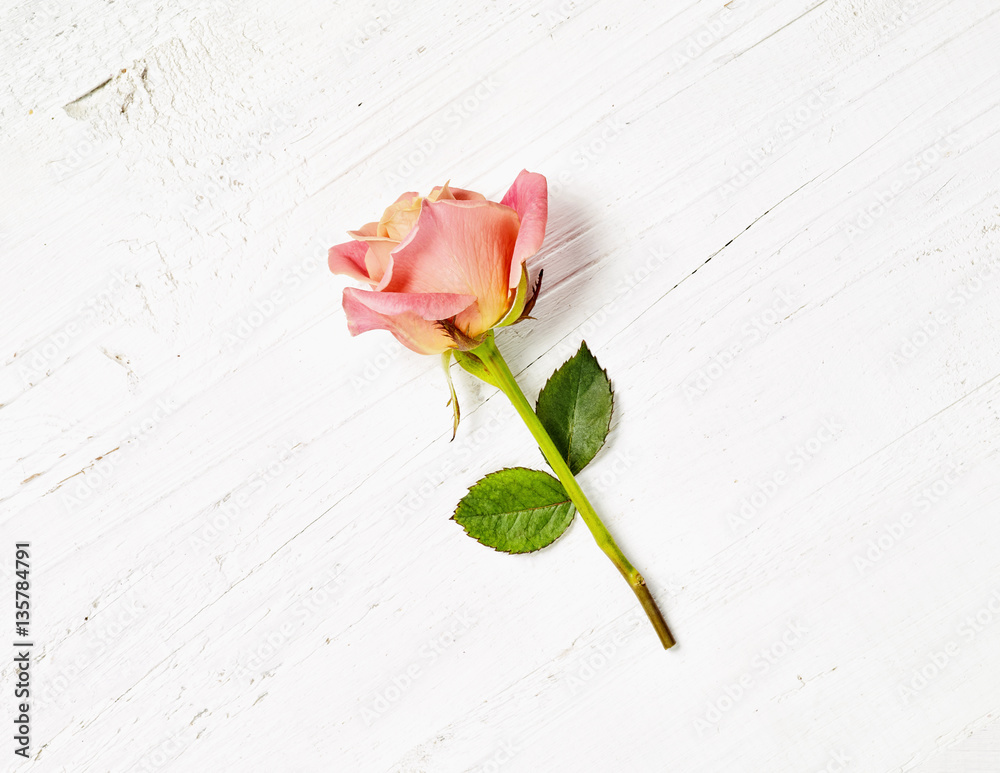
515, 510
575, 408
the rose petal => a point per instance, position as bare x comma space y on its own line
349, 258
430, 306
461, 247
377, 257
398, 219
528, 196
368, 229
410, 317
447, 193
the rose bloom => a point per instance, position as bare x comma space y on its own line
446, 268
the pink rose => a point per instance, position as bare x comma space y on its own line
447, 268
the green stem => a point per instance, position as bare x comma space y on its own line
499, 374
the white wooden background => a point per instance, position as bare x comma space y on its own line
777, 225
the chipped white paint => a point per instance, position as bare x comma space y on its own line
776, 223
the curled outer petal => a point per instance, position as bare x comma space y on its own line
528, 196
349, 258
378, 255
410, 317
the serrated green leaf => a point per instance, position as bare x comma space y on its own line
575, 408
515, 510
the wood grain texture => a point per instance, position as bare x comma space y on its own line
776, 225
